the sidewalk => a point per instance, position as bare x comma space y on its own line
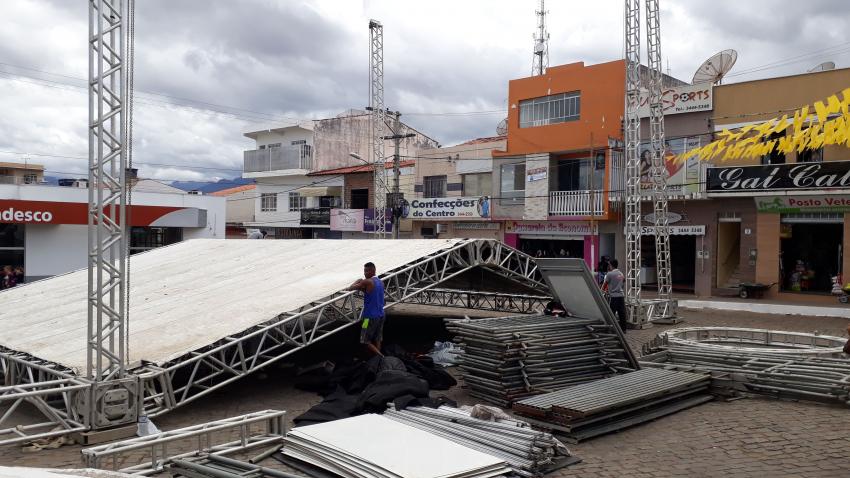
764, 306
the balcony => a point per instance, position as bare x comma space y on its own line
279, 159
576, 203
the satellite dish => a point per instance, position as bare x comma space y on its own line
502, 128
827, 65
713, 69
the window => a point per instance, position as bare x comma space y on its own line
146, 238
434, 186
328, 202
549, 109
297, 202
30, 178
775, 156
359, 199
273, 145
12, 245
513, 181
268, 202
298, 141
478, 184
811, 156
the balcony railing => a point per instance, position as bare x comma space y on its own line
576, 203
278, 159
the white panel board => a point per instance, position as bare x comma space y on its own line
395, 449
191, 294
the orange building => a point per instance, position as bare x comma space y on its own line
553, 179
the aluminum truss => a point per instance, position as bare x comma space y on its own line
107, 191
658, 171
632, 139
200, 372
495, 301
269, 429
379, 116
54, 402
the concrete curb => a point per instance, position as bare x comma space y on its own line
765, 308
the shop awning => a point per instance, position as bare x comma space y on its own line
321, 191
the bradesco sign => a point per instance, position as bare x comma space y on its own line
22, 216
442, 209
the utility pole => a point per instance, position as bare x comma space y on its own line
396, 137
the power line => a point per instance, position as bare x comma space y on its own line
46, 155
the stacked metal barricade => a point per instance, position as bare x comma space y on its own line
814, 378
528, 452
614, 403
509, 358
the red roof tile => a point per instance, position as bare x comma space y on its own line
234, 190
489, 139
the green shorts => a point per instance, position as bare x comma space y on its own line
372, 330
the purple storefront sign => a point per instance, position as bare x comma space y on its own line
369, 220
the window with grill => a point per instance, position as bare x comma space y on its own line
30, 178
268, 202
550, 109
297, 202
480, 184
434, 186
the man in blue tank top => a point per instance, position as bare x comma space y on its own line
372, 328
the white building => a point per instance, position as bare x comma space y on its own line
289, 204
44, 229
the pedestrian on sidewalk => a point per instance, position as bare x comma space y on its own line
613, 281
372, 327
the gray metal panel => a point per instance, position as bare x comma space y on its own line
572, 284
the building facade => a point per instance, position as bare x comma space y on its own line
44, 229
240, 209
293, 203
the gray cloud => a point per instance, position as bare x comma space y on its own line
268, 59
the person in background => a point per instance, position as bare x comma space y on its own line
614, 281
19, 275
257, 234
9, 277
602, 269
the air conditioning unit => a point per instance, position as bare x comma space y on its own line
442, 228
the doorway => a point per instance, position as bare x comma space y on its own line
728, 253
810, 255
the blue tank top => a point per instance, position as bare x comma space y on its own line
373, 302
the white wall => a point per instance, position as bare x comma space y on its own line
53, 249
283, 136
282, 186
240, 206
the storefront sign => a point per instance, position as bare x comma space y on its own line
682, 176
536, 174
442, 209
680, 99
369, 220
478, 226
802, 204
676, 230
54, 212
347, 220
561, 228
827, 175
672, 218
315, 216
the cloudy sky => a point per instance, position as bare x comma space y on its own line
209, 70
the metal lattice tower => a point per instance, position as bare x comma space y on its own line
376, 93
108, 75
540, 60
658, 172
632, 153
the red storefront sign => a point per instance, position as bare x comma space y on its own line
51, 212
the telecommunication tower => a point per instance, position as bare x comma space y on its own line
540, 60
642, 312
376, 104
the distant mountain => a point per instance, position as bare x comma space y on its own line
207, 187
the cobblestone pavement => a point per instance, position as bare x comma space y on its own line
751, 437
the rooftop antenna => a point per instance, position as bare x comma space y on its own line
540, 61
715, 68
825, 66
